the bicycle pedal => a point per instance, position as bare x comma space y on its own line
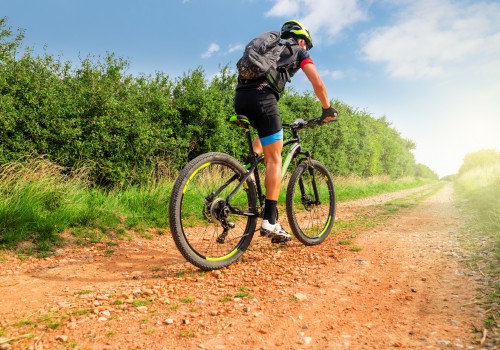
280, 239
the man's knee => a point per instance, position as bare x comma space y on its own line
273, 160
272, 155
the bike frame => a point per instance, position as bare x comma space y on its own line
293, 153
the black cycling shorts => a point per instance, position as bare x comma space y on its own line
261, 108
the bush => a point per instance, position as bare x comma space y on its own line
129, 130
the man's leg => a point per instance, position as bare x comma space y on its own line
257, 146
272, 159
269, 227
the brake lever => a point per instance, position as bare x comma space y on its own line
298, 123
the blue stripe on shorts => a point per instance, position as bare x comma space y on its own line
272, 138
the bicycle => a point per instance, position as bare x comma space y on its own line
216, 201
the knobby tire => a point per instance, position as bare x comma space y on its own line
197, 214
311, 222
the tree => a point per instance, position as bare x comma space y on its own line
9, 43
479, 159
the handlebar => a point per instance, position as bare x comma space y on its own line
299, 124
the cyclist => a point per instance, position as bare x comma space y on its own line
257, 100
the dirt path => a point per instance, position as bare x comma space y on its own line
406, 288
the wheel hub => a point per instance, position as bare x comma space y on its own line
218, 210
308, 202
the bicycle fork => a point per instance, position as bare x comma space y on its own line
306, 201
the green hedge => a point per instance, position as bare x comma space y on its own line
127, 129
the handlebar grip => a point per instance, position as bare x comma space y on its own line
311, 123
301, 123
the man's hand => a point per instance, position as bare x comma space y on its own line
329, 114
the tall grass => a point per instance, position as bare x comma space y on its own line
39, 200
34, 201
478, 191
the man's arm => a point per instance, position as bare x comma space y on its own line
320, 90
318, 85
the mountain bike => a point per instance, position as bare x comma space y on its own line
216, 200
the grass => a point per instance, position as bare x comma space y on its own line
225, 299
352, 187
344, 242
141, 302
82, 312
186, 333
40, 200
40, 203
243, 295
83, 292
478, 197
51, 320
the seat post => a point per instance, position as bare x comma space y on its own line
249, 139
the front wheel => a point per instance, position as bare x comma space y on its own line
310, 203
209, 232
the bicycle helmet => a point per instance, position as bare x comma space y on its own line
293, 27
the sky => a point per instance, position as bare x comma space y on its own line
430, 67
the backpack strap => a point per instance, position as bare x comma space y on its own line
288, 44
284, 69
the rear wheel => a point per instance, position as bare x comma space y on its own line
205, 229
310, 203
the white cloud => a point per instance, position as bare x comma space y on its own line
324, 18
213, 48
235, 48
283, 8
429, 37
335, 74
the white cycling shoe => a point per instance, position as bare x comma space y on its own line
275, 232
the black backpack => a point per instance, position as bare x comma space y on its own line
259, 60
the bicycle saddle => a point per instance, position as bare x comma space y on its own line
240, 120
